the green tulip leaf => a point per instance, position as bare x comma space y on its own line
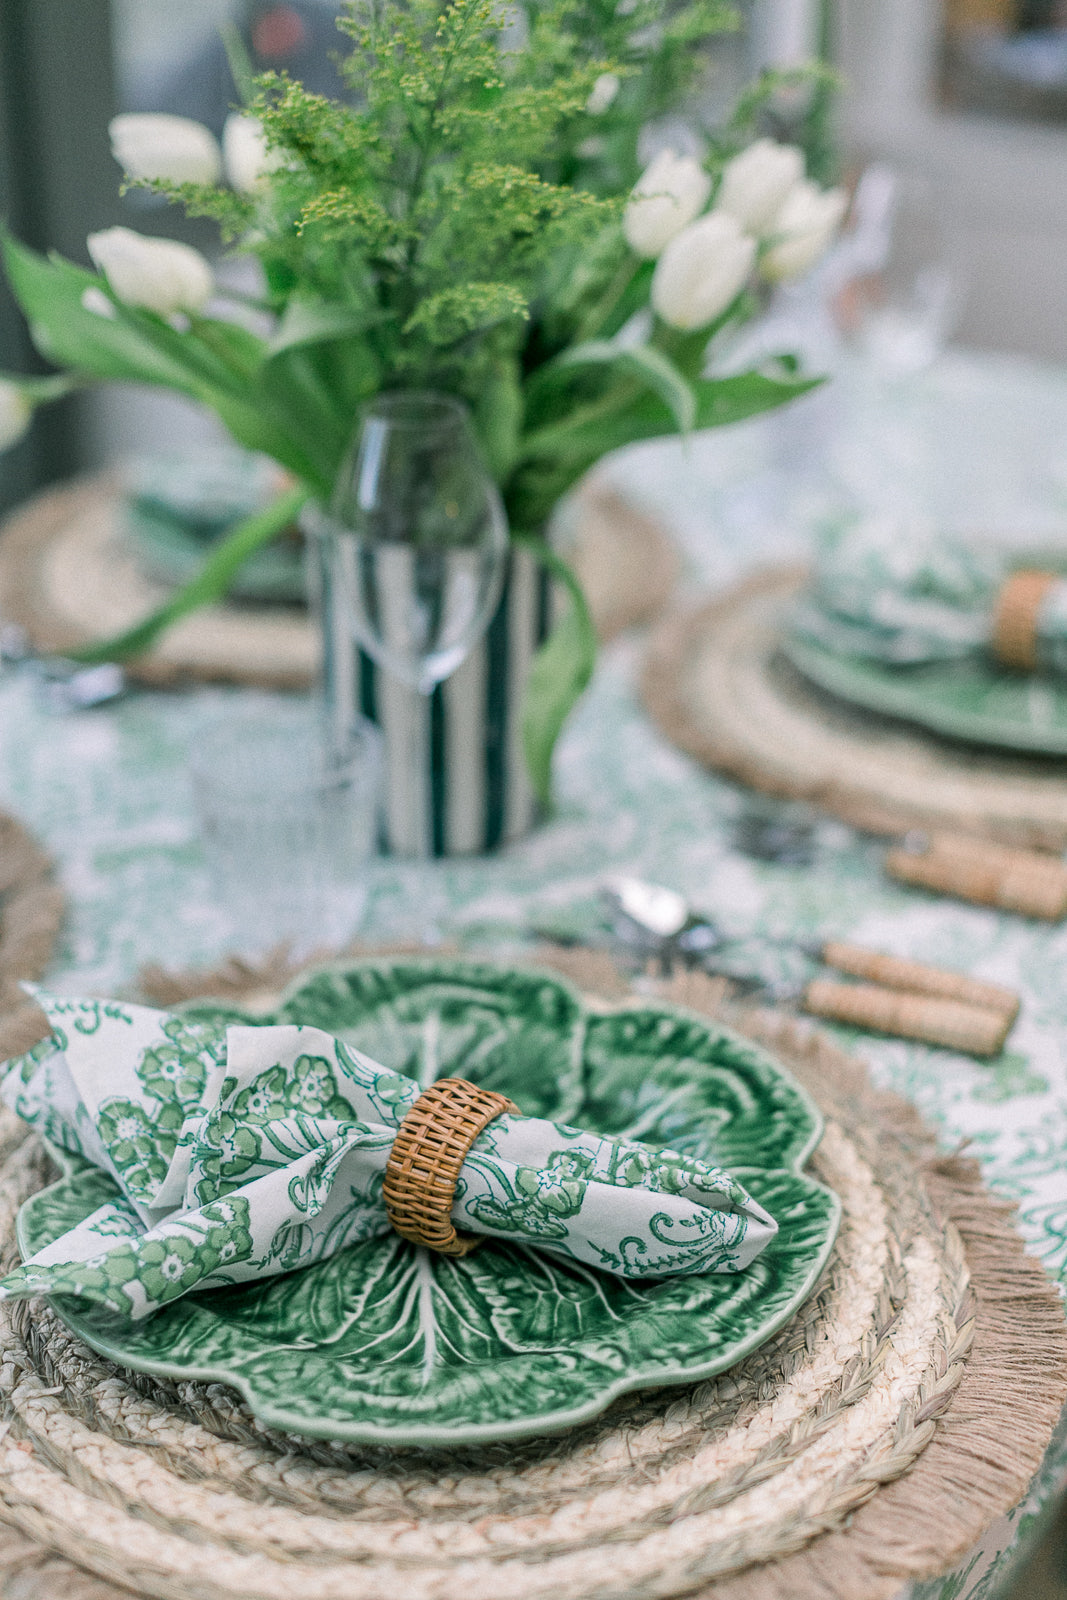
746, 394
559, 673
498, 419
242, 67
652, 369
242, 351
306, 322
215, 362
591, 431
50, 292
210, 584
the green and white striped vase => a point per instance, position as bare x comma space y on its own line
455, 780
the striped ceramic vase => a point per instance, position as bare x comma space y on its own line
455, 777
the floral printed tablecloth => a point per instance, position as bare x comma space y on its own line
979, 440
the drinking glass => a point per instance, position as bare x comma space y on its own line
288, 824
420, 552
900, 297
424, 537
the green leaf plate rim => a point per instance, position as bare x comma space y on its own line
422, 1436
892, 692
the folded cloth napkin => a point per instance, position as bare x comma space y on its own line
910, 594
246, 1151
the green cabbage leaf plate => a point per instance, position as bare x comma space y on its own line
385, 1343
973, 700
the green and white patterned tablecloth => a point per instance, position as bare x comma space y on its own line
980, 440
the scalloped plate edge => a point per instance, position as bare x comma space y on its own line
837, 677
526, 1427
657, 1377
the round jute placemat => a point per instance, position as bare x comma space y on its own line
31, 910
870, 1442
716, 685
67, 576
626, 562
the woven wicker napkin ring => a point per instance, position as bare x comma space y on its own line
1015, 624
429, 1149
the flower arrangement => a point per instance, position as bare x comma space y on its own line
474, 219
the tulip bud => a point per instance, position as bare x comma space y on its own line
159, 274
15, 413
602, 94
96, 301
756, 182
701, 271
671, 191
244, 150
151, 145
802, 230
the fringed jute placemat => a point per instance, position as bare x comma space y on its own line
68, 576
716, 685
870, 1442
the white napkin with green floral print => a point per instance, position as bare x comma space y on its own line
908, 594
245, 1151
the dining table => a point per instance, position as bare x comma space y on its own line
977, 441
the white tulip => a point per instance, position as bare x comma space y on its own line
153, 145
802, 230
15, 414
159, 274
756, 182
244, 150
671, 191
701, 271
96, 301
603, 93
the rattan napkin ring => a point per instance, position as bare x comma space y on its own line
1015, 623
430, 1147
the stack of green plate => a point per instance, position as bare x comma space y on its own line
178, 507
972, 699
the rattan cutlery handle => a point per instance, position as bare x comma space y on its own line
970, 1029
917, 977
1027, 881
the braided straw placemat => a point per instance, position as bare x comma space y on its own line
716, 685
67, 576
870, 1442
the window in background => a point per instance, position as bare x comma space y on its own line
1006, 58
57, 184
172, 58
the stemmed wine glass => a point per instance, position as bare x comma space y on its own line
422, 547
899, 298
